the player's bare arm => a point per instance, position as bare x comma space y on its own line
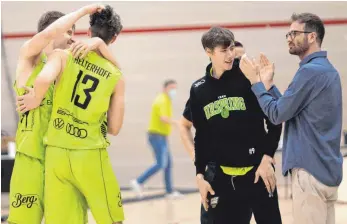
80, 49
185, 127
115, 114
50, 72
31, 50
83, 47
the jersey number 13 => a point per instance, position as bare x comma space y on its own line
76, 98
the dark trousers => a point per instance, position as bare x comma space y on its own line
237, 197
210, 172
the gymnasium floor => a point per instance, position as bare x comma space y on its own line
156, 209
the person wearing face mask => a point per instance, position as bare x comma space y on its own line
158, 132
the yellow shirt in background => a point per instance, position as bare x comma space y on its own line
161, 106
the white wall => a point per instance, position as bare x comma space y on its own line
23, 16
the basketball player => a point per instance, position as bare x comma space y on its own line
78, 170
55, 30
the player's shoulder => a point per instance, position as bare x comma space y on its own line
116, 72
108, 65
63, 54
62, 51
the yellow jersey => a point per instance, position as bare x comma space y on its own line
80, 103
33, 124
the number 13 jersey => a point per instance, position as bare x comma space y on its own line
80, 103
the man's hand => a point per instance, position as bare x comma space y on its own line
250, 69
28, 101
267, 71
80, 49
93, 8
267, 173
204, 188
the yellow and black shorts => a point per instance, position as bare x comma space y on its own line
76, 180
26, 190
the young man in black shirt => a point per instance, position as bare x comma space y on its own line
230, 133
185, 126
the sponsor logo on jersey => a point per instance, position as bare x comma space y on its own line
66, 112
46, 102
58, 123
76, 131
120, 200
28, 200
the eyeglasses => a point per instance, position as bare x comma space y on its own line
294, 33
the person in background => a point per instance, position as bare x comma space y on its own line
239, 49
160, 126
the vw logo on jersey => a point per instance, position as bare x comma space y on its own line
76, 131
58, 123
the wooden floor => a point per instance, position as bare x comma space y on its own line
156, 209
186, 211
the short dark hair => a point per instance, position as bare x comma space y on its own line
105, 24
217, 36
169, 82
238, 44
47, 19
312, 24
